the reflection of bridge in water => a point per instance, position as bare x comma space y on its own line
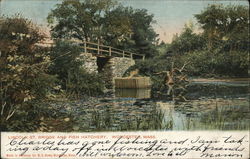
142, 93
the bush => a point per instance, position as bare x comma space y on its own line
67, 65
83, 83
149, 67
214, 63
23, 75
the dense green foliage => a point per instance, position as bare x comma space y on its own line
67, 64
79, 20
226, 29
225, 26
24, 77
106, 22
141, 38
187, 41
221, 49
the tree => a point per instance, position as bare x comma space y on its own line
106, 22
117, 26
79, 20
187, 41
227, 31
131, 29
225, 24
143, 33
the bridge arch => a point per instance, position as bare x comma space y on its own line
108, 67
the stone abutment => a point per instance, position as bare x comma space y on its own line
108, 67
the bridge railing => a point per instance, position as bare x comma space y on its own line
100, 50
104, 50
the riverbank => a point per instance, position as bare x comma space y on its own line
219, 79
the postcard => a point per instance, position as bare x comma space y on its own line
124, 79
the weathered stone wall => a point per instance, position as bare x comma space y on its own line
116, 67
120, 65
90, 63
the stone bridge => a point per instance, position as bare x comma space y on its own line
108, 61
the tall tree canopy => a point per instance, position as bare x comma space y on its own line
79, 20
225, 23
187, 41
140, 36
104, 20
223, 46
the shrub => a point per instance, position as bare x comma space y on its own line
23, 74
149, 67
67, 65
216, 63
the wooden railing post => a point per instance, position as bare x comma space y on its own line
143, 57
110, 51
98, 47
85, 47
123, 54
131, 55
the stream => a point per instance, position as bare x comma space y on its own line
210, 106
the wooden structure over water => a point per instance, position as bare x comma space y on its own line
133, 82
99, 50
104, 50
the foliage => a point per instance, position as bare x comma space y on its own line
187, 41
144, 36
23, 75
130, 29
117, 27
84, 83
225, 24
79, 20
226, 29
162, 49
150, 66
65, 57
68, 65
221, 49
208, 64
105, 22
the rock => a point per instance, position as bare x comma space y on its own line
66, 119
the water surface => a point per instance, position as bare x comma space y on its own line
210, 106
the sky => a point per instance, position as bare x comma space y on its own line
170, 15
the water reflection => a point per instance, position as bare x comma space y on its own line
210, 106
126, 114
133, 93
198, 90
219, 114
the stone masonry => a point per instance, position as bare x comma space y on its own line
89, 62
114, 67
